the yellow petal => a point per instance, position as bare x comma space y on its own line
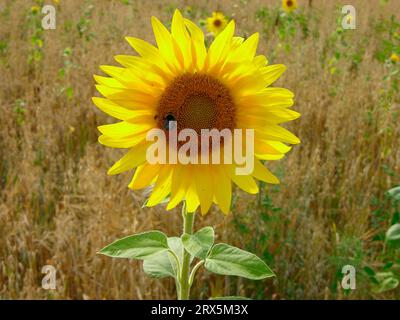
223, 192
130, 79
182, 38
272, 147
199, 51
271, 73
126, 142
260, 61
129, 61
171, 54
144, 48
267, 97
109, 82
149, 52
262, 173
151, 72
245, 85
116, 111
276, 92
251, 83
133, 158
204, 187
191, 198
234, 71
123, 75
259, 117
162, 187
144, 176
276, 133
180, 183
270, 157
244, 182
124, 129
117, 94
246, 50
219, 48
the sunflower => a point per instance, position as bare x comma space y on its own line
216, 23
224, 87
35, 10
394, 58
289, 5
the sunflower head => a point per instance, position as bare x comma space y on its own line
225, 87
216, 23
395, 58
289, 5
35, 10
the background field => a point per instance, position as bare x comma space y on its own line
58, 206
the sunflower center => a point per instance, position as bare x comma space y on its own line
196, 101
217, 23
289, 3
198, 112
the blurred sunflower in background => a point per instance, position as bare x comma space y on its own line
216, 23
394, 57
35, 10
289, 5
224, 87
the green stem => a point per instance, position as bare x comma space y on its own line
184, 286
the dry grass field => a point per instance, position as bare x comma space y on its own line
58, 206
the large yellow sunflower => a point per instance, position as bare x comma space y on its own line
226, 86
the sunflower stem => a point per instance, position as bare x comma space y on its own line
184, 286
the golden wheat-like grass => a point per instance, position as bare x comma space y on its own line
58, 206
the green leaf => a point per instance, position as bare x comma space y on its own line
163, 264
159, 266
199, 243
393, 233
137, 246
369, 271
395, 193
227, 260
175, 244
387, 284
230, 298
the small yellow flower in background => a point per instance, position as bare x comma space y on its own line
226, 86
289, 5
394, 58
35, 10
349, 19
216, 23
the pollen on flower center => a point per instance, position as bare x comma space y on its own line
196, 101
198, 112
